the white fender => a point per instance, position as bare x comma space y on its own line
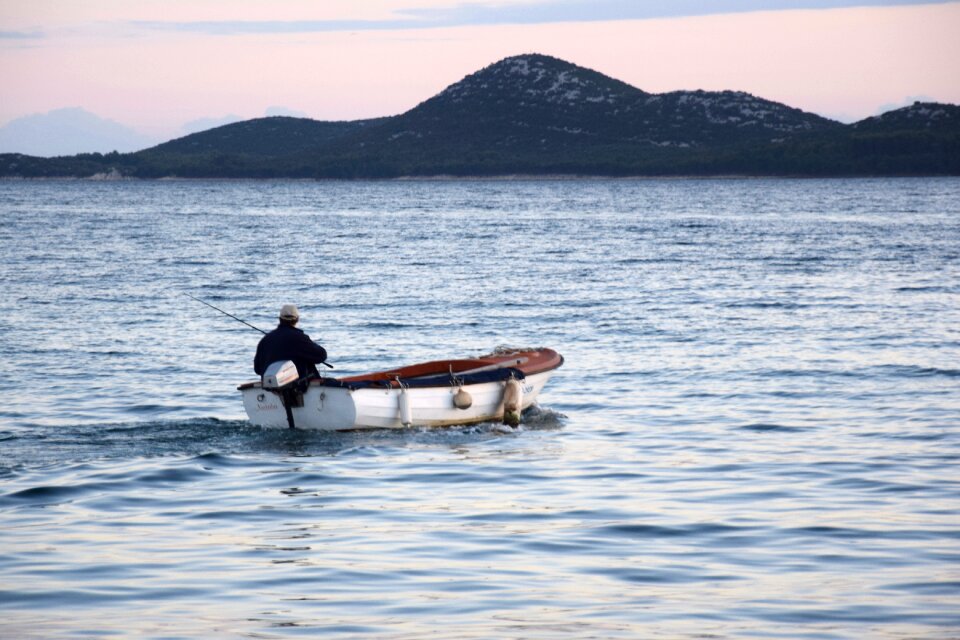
406, 412
462, 399
512, 402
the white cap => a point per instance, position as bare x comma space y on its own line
289, 312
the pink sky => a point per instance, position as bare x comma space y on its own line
148, 64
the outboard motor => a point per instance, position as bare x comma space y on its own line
283, 379
280, 374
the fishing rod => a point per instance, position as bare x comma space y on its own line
224, 312
230, 315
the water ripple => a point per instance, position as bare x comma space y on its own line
755, 433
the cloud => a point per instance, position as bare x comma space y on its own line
248, 27
530, 12
552, 11
21, 35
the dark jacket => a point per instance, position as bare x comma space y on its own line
289, 343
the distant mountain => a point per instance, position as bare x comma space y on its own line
537, 115
67, 131
277, 110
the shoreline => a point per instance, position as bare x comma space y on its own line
492, 178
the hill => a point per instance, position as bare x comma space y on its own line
548, 103
537, 114
273, 136
534, 114
921, 139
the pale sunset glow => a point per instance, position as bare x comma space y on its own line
155, 65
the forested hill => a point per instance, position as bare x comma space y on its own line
536, 115
273, 136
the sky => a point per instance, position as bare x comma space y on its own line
154, 65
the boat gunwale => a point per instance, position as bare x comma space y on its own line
528, 362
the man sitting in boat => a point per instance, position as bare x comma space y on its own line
287, 342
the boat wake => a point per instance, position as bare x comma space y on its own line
42, 445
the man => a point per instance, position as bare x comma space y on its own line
287, 342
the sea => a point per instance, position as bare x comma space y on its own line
755, 434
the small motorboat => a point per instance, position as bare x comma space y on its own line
494, 387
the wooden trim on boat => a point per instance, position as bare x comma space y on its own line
529, 362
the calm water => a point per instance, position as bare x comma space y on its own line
756, 434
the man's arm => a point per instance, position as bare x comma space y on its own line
311, 351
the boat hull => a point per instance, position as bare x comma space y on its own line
339, 405
340, 409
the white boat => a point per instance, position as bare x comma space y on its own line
494, 387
